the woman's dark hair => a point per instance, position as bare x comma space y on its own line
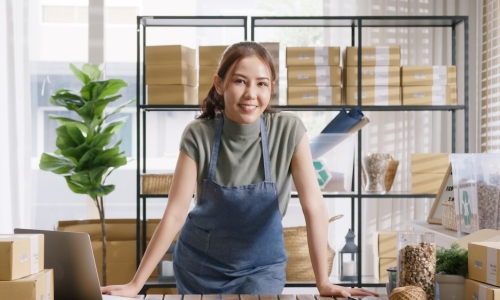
213, 105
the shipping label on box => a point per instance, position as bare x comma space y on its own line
429, 163
373, 56
20, 255
312, 56
483, 262
426, 183
428, 75
210, 55
170, 55
314, 75
314, 95
171, 94
374, 75
39, 286
480, 291
171, 74
430, 95
373, 95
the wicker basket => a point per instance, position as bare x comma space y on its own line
153, 184
299, 267
449, 218
408, 293
389, 175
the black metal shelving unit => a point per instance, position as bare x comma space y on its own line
355, 24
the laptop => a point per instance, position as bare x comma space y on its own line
70, 255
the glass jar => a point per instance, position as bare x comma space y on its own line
375, 167
417, 261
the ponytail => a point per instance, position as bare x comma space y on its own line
213, 105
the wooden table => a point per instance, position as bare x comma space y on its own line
252, 297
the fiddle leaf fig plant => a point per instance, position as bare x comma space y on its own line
85, 155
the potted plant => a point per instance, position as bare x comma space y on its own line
85, 155
451, 271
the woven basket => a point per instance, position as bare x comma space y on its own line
389, 175
449, 218
408, 293
153, 184
299, 267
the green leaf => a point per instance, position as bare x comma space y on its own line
96, 175
76, 153
75, 187
84, 78
88, 90
101, 140
69, 136
56, 164
453, 261
119, 108
82, 178
92, 71
65, 121
67, 99
87, 160
114, 126
110, 87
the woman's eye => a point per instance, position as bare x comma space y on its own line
263, 83
239, 81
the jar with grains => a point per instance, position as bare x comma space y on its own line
375, 166
417, 261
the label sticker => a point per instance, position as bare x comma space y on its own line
303, 56
323, 75
418, 95
324, 95
481, 293
308, 96
381, 95
382, 75
382, 55
34, 254
302, 76
420, 76
321, 55
438, 95
439, 75
491, 268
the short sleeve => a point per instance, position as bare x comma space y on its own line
188, 142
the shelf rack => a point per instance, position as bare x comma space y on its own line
356, 24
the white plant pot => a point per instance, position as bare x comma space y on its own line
451, 287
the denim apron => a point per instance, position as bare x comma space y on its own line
232, 241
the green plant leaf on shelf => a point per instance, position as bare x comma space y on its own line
452, 261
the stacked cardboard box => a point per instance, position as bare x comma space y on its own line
427, 172
314, 75
208, 59
274, 50
385, 253
484, 279
171, 75
429, 85
380, 68
22, 274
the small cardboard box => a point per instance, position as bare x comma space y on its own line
171, 74
210, 55
483, 262
428, 75
203, 92
387, 243
314, 75
170, 55
430, 95
20, 255
480, 291
373, 75
426, 183
429, 163
39, 286
373, 56
312, 56
373, 95
314, 95
171, 94
381, 267
206, 75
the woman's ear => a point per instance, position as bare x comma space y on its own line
218, 84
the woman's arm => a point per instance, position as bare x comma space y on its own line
316, 216
180, 195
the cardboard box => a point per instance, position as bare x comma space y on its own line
381, 267
430, 95
426, 183
387, 243
479, 291
373, 95
171, 94
428, 75
373, 56
374, 75
39, 286
483, 261
429, 163
170, 55
206, 75
483, 235
274, 50
21, 255
203, 92
314, 75
210, 55
171, 74
313, 56
314, 95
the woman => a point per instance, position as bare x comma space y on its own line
242, 157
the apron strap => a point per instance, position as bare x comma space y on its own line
215, 150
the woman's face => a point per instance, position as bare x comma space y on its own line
248, 91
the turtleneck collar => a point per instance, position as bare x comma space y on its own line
231, 127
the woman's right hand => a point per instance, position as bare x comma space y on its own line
125, 290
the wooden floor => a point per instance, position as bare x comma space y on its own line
248, 297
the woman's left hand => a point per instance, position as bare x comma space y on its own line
329, 289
